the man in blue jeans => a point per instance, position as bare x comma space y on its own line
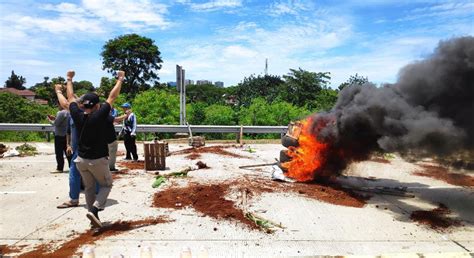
74, 176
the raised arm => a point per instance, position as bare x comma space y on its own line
61, 99
116, 90
69, 89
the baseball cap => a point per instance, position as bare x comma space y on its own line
89, 100
126, 105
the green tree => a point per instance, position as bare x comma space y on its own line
325, 100
268, 87
354, 79
195, 113
156, 107
15, 81
283, 112
219, 115
106, 85
15, 109
138, 56
205, 93
303, 86
257, 113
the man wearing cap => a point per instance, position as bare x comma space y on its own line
92, 160
130, 129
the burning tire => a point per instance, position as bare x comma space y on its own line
284, 157
288, 141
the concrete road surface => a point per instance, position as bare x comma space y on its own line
29, 194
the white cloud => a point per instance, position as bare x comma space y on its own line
293, 7
212, 5
448, 10
135, 14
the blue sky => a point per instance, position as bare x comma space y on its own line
227, 40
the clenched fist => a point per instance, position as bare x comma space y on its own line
58, 87
70, 74
121, 75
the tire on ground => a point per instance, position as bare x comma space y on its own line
288, 141
284, 156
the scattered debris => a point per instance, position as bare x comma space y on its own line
10, 249
89, 237
250, 150
389, 156
27, 149
120, 173
259, 165
267, 225
395, 191
278, 175
442, 173
218, 149
10, 153
158, 181
139, 164
206, 199
193, 156
435, 218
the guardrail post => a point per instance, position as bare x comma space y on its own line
48, 136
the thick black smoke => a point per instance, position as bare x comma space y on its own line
430, 108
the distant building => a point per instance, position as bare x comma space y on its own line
188, 82
219, 84
27, 94
171, 84
203, 82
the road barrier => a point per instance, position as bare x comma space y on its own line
141, 128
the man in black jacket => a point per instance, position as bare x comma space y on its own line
92, 128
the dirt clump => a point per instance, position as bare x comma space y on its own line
435, 218
442, 173
89, 237
193, 156
140, 164
327, 190
206, 199
8, 249
120, 173
218, 149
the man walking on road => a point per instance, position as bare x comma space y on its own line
92, 160
60, 127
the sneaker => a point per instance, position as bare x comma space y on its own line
57, 171
94, 220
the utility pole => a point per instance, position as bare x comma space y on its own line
266, 66
180, 77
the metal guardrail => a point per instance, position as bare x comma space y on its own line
160, 128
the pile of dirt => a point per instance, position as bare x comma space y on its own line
218, 149
89, 237
193, 156
327, 190
435, 218
442, 173
140, 164
206, 199
120, 173
8, 249
210, 199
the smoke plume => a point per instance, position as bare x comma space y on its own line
430, 108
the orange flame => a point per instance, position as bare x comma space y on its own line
308, 157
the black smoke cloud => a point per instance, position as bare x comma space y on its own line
430, 108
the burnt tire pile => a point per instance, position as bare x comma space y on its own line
287, 142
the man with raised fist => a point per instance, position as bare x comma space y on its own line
92, 161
